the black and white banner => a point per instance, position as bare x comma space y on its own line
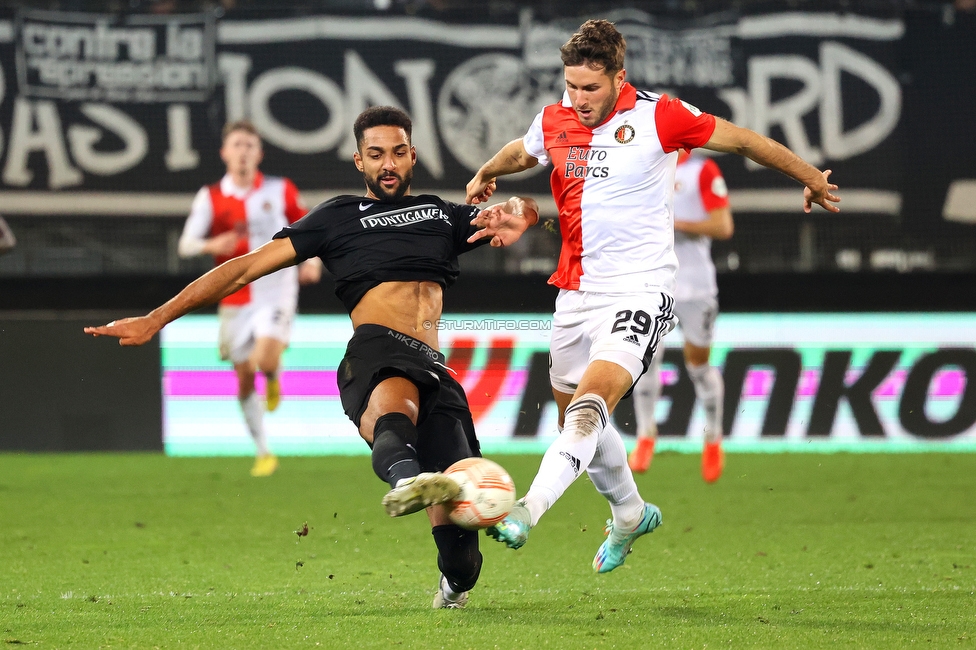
109, 115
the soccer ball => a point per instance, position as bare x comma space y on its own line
487, 493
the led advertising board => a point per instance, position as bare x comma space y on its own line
817, 382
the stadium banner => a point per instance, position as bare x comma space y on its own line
121, 115
810, 382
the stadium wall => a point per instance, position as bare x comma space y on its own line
63, 391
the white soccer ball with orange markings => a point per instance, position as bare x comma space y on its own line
487, 493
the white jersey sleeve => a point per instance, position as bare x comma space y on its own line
534, 141
197, 225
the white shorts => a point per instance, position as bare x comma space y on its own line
241, 326
623, 328
697, 320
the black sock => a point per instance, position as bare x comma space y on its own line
458, 556
395, 448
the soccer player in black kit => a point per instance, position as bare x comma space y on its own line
391, 254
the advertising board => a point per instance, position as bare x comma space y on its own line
818, 382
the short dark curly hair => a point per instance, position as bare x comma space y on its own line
596, 44
381, 116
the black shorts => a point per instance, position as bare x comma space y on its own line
444, 425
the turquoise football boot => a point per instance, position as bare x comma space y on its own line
513, 530
615, 549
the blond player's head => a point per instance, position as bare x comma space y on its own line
241, 148
593, 64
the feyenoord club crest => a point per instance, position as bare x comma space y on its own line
624, 134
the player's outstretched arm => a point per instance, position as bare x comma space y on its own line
208, 288
730, 138
512, 158
505, 222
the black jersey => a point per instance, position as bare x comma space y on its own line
364, 242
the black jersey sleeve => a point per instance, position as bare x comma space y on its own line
310, 234
461, 216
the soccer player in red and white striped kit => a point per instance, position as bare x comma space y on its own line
614, 150
231, 218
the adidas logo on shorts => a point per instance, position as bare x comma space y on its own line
632, 339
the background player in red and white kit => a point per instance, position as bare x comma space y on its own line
228, 219
613, 151
701, 214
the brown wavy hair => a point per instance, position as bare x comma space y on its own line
596, 44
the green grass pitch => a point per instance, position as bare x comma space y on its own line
785, 551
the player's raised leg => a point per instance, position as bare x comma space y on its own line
565, 459
389, 426
585, 416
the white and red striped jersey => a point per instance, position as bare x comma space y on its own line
613, 185
256, 214
699, 188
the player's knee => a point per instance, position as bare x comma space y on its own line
587, 414
398, 424
268, 363
268, 367
458, 556
696, 355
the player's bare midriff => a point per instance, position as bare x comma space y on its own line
412, 308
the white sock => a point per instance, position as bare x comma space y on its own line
646, 394
569, 455
613, 479
254, 417
449, 594
710, 390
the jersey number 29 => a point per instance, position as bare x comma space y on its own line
642, 321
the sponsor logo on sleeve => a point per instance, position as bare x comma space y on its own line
691, 109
